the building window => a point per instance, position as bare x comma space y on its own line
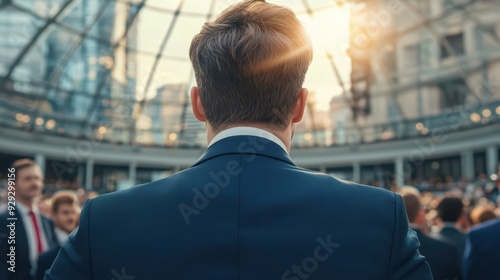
486, 36
419, 55
453, 93
410, 56
425, 53
456, 45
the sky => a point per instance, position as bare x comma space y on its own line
328, 27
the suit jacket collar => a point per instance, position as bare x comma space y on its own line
449, 230
245, 145
47, 227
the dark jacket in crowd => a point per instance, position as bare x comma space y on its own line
453, 236
442, 257
22, 258
482, 252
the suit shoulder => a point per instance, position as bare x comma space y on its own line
371, 190
486, 228
142, 191
347, 187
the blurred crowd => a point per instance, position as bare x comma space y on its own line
442, 218
40, 223
444, 226
473, 190
45, 200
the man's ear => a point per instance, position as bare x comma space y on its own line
198, 110
298, 112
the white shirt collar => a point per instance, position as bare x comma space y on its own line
25, 210
413, 226
61, 235
245, 130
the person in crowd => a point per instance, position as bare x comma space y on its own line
449, 212
44, 207
482, 252
3, 199
65, 211
441, 256
34, 233
244, 210
481, 214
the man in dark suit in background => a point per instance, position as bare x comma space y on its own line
34, 233
65, 212
441, 256
244, 210
482, 252
449, 212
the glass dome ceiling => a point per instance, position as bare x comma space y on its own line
119, 71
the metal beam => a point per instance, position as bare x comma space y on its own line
56, 73
98, 92
393, 35
153, 70
35, 37
475, 20
81, 37
191, 77
98, 39
443, 42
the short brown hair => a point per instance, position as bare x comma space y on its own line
62, 198
481, 214
21, 164
250, 64
411, 199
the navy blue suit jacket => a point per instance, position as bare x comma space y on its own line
22, 259
454, 237
441, 256
482, 252
243, 211
45, 260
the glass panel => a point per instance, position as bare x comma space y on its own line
81, 14
41, 61
200, 8
180, 40
152, 26
296, 5
45, 8
16, 30
108, 25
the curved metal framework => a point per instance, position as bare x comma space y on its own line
94, 54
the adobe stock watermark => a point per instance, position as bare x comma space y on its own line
374, 26
211, 190
222, 178
310, 264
